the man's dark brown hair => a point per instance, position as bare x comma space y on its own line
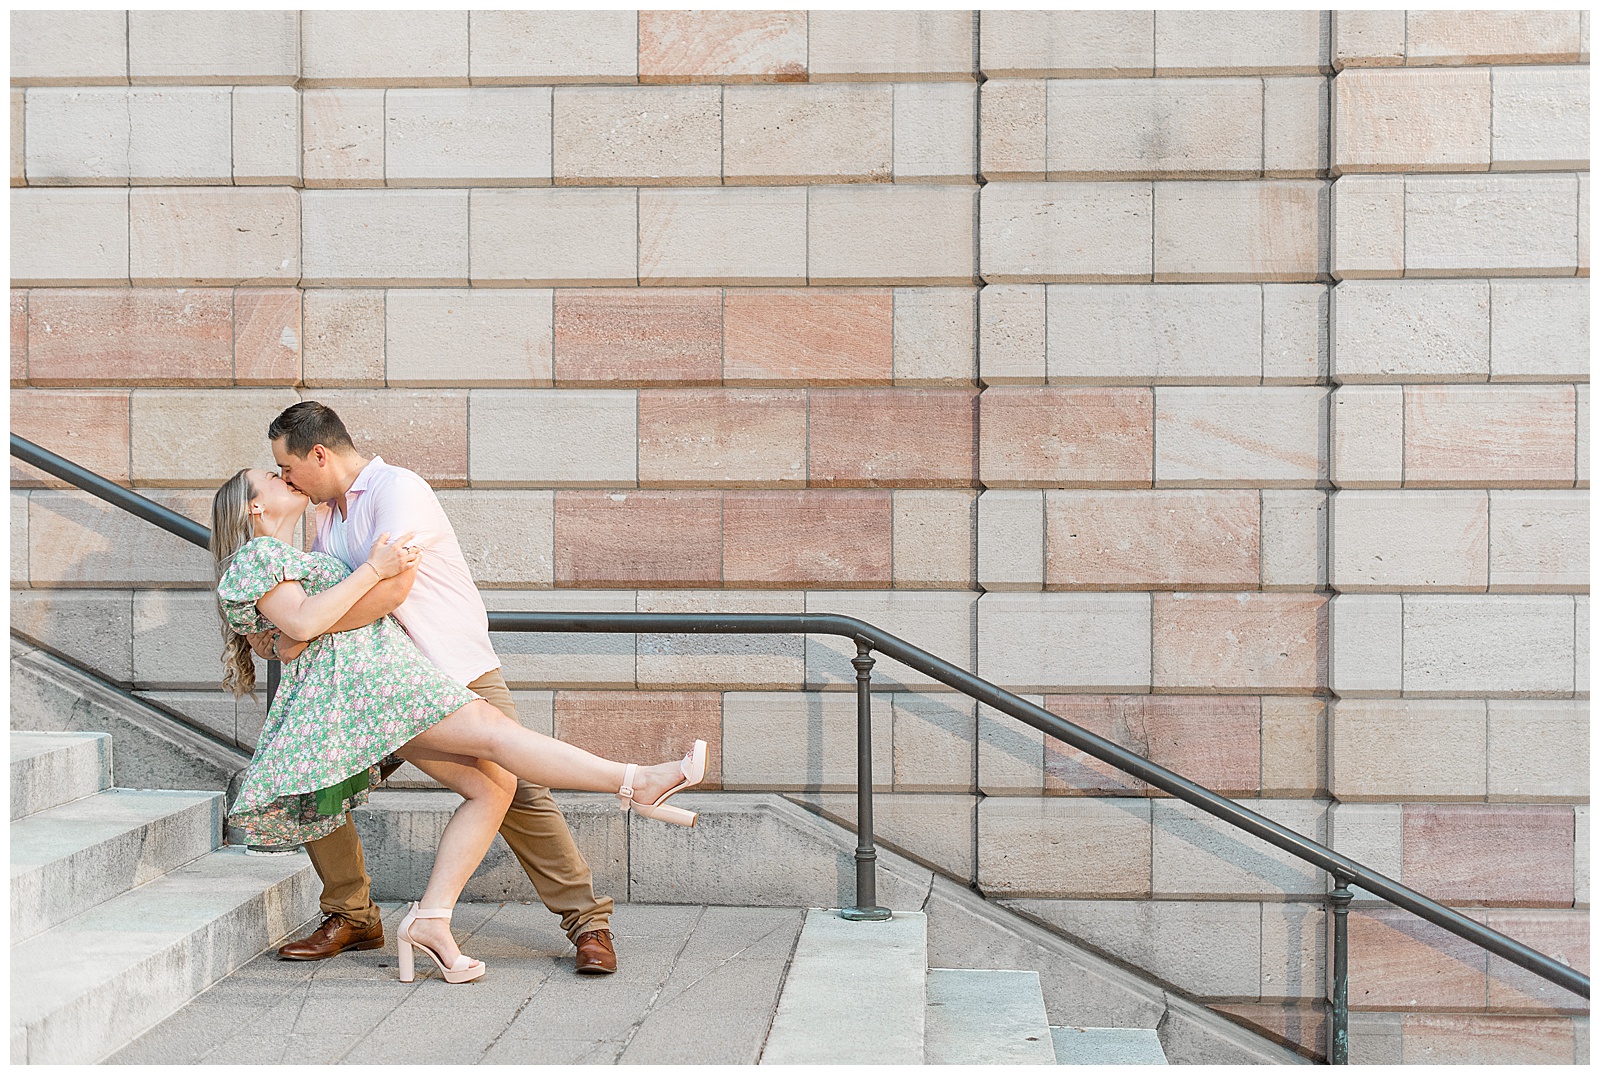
308, 424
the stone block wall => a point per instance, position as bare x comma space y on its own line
1216, 379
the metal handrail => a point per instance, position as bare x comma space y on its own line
1344, 870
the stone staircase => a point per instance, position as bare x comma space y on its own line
124, 903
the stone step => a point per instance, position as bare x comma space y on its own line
1106, 1045
51, 768
856, 993
96, 981
987, 1017
69, 858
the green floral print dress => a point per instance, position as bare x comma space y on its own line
346, 702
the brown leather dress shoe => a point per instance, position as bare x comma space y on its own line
332, 937
595, 954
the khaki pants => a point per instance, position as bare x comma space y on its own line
533, 828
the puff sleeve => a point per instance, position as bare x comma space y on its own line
257, 567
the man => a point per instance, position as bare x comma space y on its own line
356, 500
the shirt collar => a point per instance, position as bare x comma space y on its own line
367, 473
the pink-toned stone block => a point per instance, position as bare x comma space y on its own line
266, 335
1398, 960
839, 539
722, 46
343, 337
778, 336
1222, 643
634, 538
643, 724
1490, 853
88, 426
1214, 741
1490, 435
1487, 1039
19, 336
908, 438
1031, 437
722, 437
1160, 539
424, 430
138, 336
1561, 935
613, 338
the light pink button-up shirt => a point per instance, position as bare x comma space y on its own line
444, 615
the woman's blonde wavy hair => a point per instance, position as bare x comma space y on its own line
230, 529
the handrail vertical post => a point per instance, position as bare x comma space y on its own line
274, 671
1339, 1032
866, 908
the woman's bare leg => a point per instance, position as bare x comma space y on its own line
486, 791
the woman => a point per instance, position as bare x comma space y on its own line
353, 697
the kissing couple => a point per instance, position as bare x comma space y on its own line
385, 644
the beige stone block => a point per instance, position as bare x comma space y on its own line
900, 234
637, 135
1390, 750
506, 535
383, 48
1369, 38
1541, 330
1010, 753
1067, 44
891, 46
1367, 227
800, 741
1582, 444
935, 336
1074, 642
933, 535
1411, 121
722, 235
1011, 334
343, 137
92, 627
939, 622
1295, 127
1499, 645
1154, 334
19, 539
1538, 540
266, 135
1065, 232
1294, 333
808, 134
934, 741
467, 137
1147, 128
564, 661
176, 642
1241, 642
1410, 330
1076, 846
470, 337
1011, 539
1194, 854
563, 238
724, 662
1580, 856
1368, 441
1294, 747
80, 137
1240, 437
1412, 541
74, 539
19, 159
1011, 128
214, 235
556, 439
1583, 224
69, 48
344, 338
1369, 833
1580, 645
228, 48
515, 48
936, 829
1271, 230
377, 237
1364, 644
722, 46
1479, 37
933, 123
1538, 751
1491, 225
1541, 118
197, 438
1294, 535
1241, 42
180, 135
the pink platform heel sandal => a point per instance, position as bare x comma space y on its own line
463, 969
693, 768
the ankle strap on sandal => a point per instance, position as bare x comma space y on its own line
625, 792
431, 912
